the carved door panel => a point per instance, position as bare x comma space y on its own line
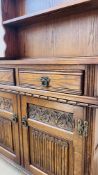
51, 142
9, 135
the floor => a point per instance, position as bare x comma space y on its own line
7, 169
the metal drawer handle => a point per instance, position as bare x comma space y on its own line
45, 81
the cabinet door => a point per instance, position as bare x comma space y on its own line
9, 135
51, 142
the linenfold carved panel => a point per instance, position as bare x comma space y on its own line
52, 117
6, 134
48, 153
6, 104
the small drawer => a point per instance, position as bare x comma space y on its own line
7, 76
59, 81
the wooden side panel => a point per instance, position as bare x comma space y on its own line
65, 82
11, 41
95, 135
90, 80
9, 9
95, 149
96, 82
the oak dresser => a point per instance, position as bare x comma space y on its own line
49, 86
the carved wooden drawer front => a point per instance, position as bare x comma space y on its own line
7, 76
63, 82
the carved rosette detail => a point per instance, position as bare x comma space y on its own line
6, 104
52, 117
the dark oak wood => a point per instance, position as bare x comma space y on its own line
9, 143
49, 86
54, 34
39, 93
7, 76
71, 139
57, 81
50, 61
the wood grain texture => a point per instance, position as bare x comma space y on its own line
64, 82
89, 147
11, 43
33, 92
90, 80
72, 139
7, 6
10, 34
7, 76
48, 153
35, 11
28, 7
26, 18
6, 134
9, 134
96, 81
50, 61
57, 38
95, 150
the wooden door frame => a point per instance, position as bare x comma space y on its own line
15, 132
72, 137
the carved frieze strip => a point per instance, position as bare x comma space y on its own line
66, 101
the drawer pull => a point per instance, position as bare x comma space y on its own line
45, 81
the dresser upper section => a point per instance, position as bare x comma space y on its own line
50, 28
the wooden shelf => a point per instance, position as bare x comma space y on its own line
67, 7
52, 61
